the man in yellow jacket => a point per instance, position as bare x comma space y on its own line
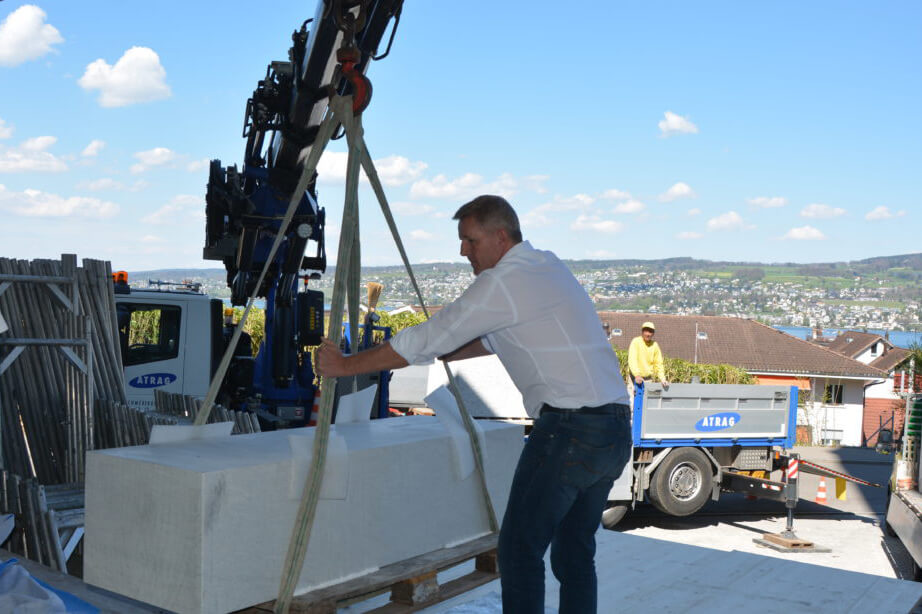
645, 359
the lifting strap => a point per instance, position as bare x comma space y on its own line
348, 278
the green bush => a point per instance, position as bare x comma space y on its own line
681, 371
255, 325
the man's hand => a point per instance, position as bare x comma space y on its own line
330, 361
665, 383
638, 380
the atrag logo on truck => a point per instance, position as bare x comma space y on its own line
717, 422
152, 380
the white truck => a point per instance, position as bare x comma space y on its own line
904, 505
171, 340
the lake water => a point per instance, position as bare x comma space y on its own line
903, 339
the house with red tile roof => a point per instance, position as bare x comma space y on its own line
832, 385
883, 405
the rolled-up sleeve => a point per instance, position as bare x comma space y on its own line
483, 308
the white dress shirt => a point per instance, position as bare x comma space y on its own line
532, 313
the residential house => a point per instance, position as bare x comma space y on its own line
832, 386
883, 405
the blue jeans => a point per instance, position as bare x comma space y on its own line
558, 493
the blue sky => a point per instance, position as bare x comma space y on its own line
729, 131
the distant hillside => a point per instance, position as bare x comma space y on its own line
178, 274
906, 265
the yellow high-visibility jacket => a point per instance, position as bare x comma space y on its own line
645, 360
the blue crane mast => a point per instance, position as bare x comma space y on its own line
244, 208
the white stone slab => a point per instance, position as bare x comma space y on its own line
204, 526
449, 414
486, 388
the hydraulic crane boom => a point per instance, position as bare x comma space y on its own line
244, 208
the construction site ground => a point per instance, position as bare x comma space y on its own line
708, 562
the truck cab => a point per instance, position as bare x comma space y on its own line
169, 340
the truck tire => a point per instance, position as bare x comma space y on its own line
681, 485
614, 513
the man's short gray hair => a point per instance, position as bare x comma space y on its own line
492, 212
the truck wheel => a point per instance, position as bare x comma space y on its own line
682, 484
614, 513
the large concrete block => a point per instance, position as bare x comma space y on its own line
204, 526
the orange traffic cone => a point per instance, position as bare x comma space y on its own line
821, 491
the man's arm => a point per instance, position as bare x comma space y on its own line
633, 360
659, 366
472, 349
331, 362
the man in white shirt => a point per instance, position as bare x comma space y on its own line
526, 307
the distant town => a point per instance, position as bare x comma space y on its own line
878, 293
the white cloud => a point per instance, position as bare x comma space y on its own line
421, 235
5, 130
442, 187
158, 156
392, 170
678, 190
136, 77
107, 183
535, 183
93, 148
804, 233
630, 206
397, 170
34, 203
25, 36
767, 202
38, 143
197, 165
882, 213
152, 239
694, 211
30, 155
405, 208
467, 185
179, 210
615, 194
820, 211
596, 224
689, 235
103, 183
676, 124
535, 218
538, 216
576, 202
730, 220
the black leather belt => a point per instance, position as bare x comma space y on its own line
611, 409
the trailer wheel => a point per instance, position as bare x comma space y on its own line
614, 513
682, 484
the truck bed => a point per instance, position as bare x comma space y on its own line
905, 518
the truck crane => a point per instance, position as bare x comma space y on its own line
330, 54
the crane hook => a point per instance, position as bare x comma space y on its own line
361, 85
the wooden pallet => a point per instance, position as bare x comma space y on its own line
413, 583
